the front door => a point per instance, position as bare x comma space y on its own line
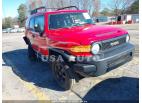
39, 37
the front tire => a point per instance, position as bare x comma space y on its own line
63, 75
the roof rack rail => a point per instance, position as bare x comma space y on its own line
44, 9
68, 7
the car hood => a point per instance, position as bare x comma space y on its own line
86, 34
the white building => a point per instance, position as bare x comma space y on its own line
130, 17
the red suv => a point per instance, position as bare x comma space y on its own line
74, 46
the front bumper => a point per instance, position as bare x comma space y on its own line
105, 61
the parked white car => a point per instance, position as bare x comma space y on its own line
13, 30
4, 31
8, 30
21, 30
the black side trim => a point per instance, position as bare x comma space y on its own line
26, 40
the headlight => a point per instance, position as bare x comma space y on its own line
95, 48
127, 38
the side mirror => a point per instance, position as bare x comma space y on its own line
38, 29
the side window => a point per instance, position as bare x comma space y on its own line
32, 23
39, 20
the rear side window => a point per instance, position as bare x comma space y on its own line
40, 21
27, 23
32, 23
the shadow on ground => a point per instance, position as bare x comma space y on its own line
114, 90
38, 73
124, 88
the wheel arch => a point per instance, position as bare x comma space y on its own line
66, 56
27, 41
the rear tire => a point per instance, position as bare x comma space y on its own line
63, 75
31, 54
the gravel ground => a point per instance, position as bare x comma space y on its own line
25, 80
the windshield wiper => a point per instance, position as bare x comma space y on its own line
76, 24
88, 23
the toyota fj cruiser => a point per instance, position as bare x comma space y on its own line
74, 46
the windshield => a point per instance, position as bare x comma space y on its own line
67, 20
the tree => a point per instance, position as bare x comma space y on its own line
22, 15
93, 6
106, 12
134, 8
119, 7
96, 7
7, 23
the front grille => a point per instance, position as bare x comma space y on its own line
113, 43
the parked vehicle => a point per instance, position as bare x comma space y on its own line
4, 31
71, 35
20, 30
8, 30
13, 30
